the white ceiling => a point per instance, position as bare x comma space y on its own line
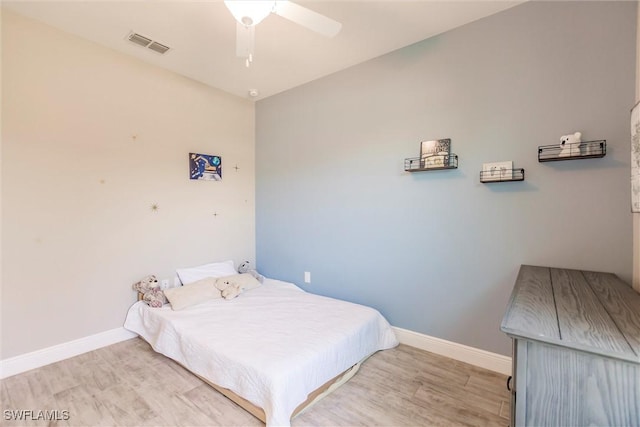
201, 35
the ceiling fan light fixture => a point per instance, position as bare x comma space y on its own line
249, 12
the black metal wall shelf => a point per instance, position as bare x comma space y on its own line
576, 151
508, 175
417, 164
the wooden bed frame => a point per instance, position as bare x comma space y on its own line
315, 396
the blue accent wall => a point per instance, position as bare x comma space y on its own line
438, 252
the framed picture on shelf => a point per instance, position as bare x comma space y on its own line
435, 153
497, 171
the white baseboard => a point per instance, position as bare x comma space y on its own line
473, 356
25, 362
36, 359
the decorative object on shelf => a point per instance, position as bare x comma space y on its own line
572, 148
497, 171
434, 155
415, 164
500, 172
635, 158
438, 147
205, 167
514, 175
569, 143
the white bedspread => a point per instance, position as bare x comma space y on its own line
272, 345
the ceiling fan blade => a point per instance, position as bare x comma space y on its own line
245, 36
307, 18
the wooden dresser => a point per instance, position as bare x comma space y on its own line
576, 349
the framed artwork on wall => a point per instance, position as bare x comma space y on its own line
205, 167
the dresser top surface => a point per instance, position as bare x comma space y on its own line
584, 310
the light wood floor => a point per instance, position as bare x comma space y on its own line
128, 384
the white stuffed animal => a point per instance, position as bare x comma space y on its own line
228, 289
570, 145
232, 286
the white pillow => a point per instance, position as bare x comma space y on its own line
216, 269
193, 293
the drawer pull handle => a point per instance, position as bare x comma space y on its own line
509, 382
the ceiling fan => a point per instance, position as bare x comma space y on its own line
249, 13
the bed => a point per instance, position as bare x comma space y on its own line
272, 350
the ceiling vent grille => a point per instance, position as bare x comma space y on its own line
157, 47
150, 44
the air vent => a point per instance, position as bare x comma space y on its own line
150, 44
157, 47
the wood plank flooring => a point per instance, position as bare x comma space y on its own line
128, 384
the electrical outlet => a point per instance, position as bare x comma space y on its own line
307, 277
164, 284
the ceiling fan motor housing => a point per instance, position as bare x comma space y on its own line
249, 12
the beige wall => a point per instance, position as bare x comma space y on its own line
91, 139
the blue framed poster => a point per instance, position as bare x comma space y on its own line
205, 166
